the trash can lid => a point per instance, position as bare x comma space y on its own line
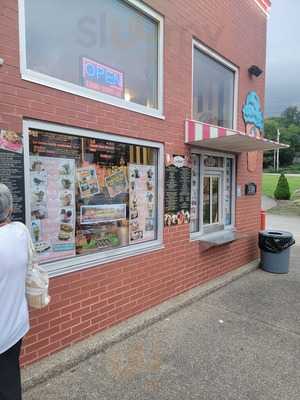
276, 234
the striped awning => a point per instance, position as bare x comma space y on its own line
264, 5
218, 138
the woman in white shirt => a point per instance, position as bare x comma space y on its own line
14, 319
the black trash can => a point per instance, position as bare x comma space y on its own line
275, 250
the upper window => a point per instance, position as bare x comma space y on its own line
213, 90
107, 50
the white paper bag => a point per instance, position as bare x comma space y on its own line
37, 280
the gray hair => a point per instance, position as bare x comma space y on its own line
6, 202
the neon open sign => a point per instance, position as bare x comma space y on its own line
102, 78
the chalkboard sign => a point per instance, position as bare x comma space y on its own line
12, 175
177, 195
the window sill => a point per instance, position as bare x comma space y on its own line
217, 238
68, 87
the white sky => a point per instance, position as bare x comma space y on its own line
283, 57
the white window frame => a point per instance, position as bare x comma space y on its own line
46, 80
201, 234
81, 262
221, 60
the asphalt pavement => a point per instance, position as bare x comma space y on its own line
285, 223
281, 222
240, 342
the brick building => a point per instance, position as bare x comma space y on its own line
138, 125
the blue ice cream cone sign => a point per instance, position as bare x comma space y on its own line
253, 116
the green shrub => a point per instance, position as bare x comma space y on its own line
282, 191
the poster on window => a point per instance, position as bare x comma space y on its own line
52, 182
142, 203
102, 213
116, 184
87, 182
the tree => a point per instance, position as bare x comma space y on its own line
291, 116
289, 127
282, 191
286, 156
270, 128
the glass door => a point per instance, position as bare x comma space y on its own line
212, 210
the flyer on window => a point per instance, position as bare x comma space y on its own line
142, 203
97, 214
88, 182
53, 216
116, 184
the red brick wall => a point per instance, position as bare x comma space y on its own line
91, 300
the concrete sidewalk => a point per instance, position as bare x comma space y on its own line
240, 342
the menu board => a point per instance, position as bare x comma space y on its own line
106, 153
55, 145
142, 203
177, 195
194, 213
12, 170
52, 182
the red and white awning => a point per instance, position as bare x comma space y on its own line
264, 5
218, 138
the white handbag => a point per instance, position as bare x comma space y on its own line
37, 280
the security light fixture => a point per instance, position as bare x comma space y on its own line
1, 61
255, 70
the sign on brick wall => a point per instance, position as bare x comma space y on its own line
177, 192
12, 170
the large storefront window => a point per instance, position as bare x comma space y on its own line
89, 195
213, 91
212, 205
108, 50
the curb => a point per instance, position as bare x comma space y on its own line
68, 358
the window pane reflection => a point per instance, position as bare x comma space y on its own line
106, 46
213, 89
206, 200
215, 199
